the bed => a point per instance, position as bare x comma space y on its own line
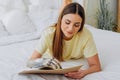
18, 43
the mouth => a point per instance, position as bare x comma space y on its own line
70, 32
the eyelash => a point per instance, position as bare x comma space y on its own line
67, 22
76, 25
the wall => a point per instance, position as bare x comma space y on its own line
92, 7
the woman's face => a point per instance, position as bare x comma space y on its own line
70, 25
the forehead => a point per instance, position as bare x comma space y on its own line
72, 17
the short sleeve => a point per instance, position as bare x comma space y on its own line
41, 46
90, 47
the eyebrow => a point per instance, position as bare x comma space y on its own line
75, 22
67, 20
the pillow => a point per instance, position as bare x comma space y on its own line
3, 32
1, 26
14, 4
2, 12
18, 22
80, 1
43, 19
51, 4
4, 2
20, 5
45, 4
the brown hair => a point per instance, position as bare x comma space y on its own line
74, 8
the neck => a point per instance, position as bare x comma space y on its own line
65, 38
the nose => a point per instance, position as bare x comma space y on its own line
71, 28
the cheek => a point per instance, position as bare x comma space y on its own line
63, 27
77, 29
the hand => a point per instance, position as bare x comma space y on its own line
67, 2
76, 75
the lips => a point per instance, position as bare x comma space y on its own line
70, 32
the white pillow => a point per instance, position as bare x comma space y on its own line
80, 2
45, 4
4, 2
18, 22
1, 26
3, 32
42, 19
14, 4
2, 12
51, 4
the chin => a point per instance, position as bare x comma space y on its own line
69, 36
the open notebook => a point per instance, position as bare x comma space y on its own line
47, 66
45, 71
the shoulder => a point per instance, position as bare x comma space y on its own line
86, 31
84, 34
48, 32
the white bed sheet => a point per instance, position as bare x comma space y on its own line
7, 40
13, 59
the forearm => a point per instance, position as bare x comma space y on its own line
94, 64
34, 59
34, 63
92, 69
35, 55
65, 2
81, 73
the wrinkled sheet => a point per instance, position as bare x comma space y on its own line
6, 40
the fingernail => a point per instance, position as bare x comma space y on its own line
65, 74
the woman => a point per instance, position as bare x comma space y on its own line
68, 39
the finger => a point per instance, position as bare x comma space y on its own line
71, 74
74, 73
66, 74
75, 76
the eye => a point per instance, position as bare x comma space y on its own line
77, 25
67, 22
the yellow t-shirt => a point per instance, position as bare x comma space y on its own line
82, 44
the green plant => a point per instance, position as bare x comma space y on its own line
105, 20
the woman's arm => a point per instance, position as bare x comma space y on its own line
35, 55
65, 2
94, 66
33, 61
